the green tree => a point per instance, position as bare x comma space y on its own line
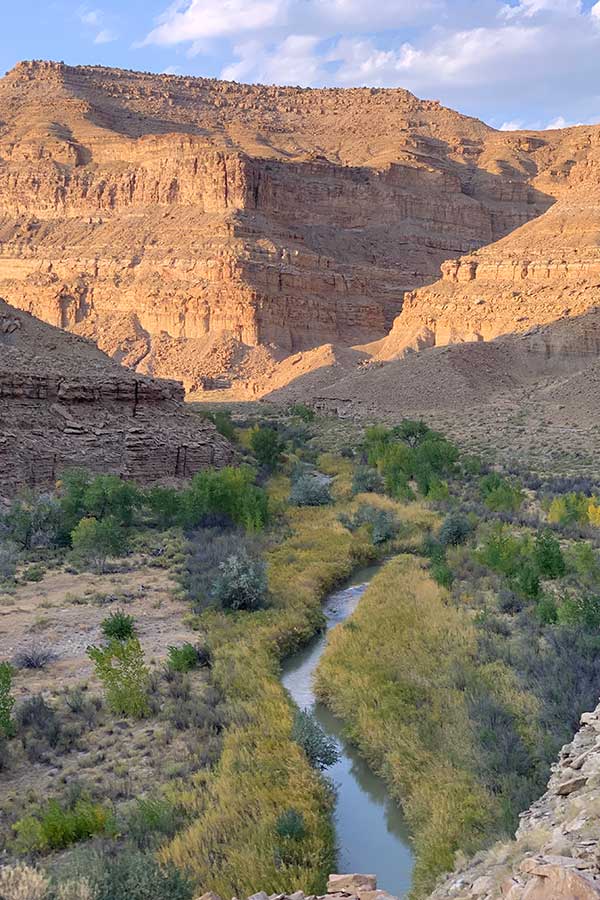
165, 505
267, 447
548, 555
7, 701
412, 432
95, 541
121, 668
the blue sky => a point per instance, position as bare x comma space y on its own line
514, 63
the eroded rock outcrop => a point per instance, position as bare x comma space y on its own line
64, 403
556, 851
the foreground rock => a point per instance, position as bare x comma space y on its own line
556, 851
339, 887
64, 403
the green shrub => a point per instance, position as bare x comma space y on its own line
310, 490
583, 610
548, 556
35, 572
367, 480
302, 411
267, 447
150, 820
121, 669
165, 505
382, 523
119, 626
412, 432
228, 494
94, 541
33, 520
291, 826
241, 583
547, 610
128, 875
55, 827
7, 701
84, 496
9, 556
499, 494
320, 749
221, 419
182, 659
455, 530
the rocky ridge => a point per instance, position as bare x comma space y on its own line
65, 403
339, 887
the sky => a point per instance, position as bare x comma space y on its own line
513, 63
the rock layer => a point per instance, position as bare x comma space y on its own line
64, 403
163, 215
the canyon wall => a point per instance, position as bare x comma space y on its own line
181, 221
63, 403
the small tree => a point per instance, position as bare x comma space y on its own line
267, 447
241, 583
321, 750
119, 626
308, 490
548, 556
455, 530
7, 701
95, 541
121, 668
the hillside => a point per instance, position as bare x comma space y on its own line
205, 230
65, 403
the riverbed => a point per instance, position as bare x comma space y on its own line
371, 833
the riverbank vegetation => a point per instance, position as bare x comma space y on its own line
183, 756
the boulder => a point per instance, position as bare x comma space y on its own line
351, 884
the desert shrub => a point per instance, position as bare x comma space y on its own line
582, 609
9, 556
35, 714
302, 411
499, 494
7, 701
367, 480
121, 668
150, 820
22, 882
455, 530
310, 490
439, 569
320, 749
548, 556
267, 447
118, 625
583, 559
241, 583
290, 825
128, 875
206, 549
34, 656
94, 541
165, 505
182, 659
228, 494
569, 509
33, 573
382, 523
547, 610
54, 826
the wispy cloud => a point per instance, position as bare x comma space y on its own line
94, 20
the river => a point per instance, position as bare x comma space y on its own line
371, 833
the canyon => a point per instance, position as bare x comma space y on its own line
235, 236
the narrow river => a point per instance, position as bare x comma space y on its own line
371, 833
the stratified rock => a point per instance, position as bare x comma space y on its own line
63, 403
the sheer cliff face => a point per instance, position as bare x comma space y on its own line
64, 403
158, 214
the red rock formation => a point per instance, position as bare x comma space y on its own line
147, 210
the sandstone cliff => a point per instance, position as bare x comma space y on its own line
184, 222
64, 403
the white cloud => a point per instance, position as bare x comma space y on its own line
91, 17
196, 20
513, 125
105, 36
517, 60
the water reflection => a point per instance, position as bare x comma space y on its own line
371, 832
